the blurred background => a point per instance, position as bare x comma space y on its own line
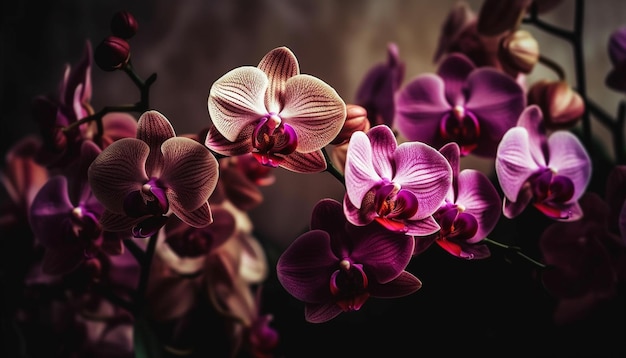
490, 307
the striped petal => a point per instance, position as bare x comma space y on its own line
314, 110
201, 217
279, 65
569, 158
236, 100
360, 174
219, 144
383, 143
514, 162
154, 129
117, 171
312, 162
111, 221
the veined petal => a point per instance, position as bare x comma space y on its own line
420, 105
514, 163
236, 100
425, 172
452, 153
383, 143
200, 217
569, 158
403, 285
50, 211
321, 312
421, 227
190, 171
360, 174
279, 65
312, 162
117, 171
219, 144
511, 209
314, 110
480, 199
454, 70
328, 215
154, 129
111, 221
363, 215
532, 119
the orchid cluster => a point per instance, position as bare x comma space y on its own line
140, 236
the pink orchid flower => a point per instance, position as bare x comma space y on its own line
281, 116
140, 181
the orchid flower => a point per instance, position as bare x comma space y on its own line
337, 266
461, 103
273, 111
616, 78
399, 186
141, 181
549, 171
469, 213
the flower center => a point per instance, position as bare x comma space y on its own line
456, 226
550, 187
273, 139
85, 224
349, 286
462, 127
394, 205
150, 200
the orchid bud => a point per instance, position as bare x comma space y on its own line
112, 53
560, 104
356, 120
123, 25
519, 52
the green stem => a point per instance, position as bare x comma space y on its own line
517, 250
330, 167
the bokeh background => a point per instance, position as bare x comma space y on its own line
491, 307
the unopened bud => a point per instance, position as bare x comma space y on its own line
519, 52
562, 107
112, 53
124, 25
356, 120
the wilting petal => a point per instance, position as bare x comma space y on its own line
421, 227
154, 129
199, 217
403, 285
117, 171
425, 172
312, 162
514, 163
420, 105
279, 65
360, 174
569, 158
236, 100
50, 213
481, 199
314, 110
305, 267
454, 70
321, 312
190, 171
383, 143
218, 143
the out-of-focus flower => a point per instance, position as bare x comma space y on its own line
549, 171
399, 186
112, 53
140, 181
562, 107
356, 120
461, 103
337, 266
281, 116
518, 52
124, 25
616, 78
459, 18
498, 17
469, 213
377, 90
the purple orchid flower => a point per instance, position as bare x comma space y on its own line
461, 103
140, 181
281, 116
470, 212
616, 78
337, 266
551, 171
377, 90
400, 186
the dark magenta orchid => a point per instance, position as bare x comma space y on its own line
469, 213
616, 78
337, 266
141, 181
461, 103
549, 170
399, 186
273, 111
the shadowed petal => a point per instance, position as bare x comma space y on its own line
118, 125
279, 65
190, 171
111, 221
218, 143
328, 215
423, 242
50, 213
480, 199
514, 163
62, 261
117, 171
512, 209
425, 172
452, 153
454, 70
314, 110
360, 174
312, 162
236, 100
154, 129
305, 267
403, 285
322, 312
569, 158
199, 217
383, 143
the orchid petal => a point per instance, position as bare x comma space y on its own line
117, 171
115, 222
569, 158
218, 143
154, 129
401, 286
236, 100
363, 215
312, 162
512, 209
383, 143
62, 261
479, 198
360, 174
328, 215
314, 110
279, 65
50, 213
118, 125
454, 71
423, 242
421, 227
514, 163
532, 120
321, 312
200, 217
452, 152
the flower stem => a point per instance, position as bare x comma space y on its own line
145, 272
517, 250
330, 167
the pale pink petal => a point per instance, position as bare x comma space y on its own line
480, 199
279, 65
312, 162
154, 129
532, 119
111, 221
383, 143
117, 171
569, 158
314, 110
360, 174
236, 100
514, 163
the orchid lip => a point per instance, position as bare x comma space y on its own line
272, 139
461, 126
